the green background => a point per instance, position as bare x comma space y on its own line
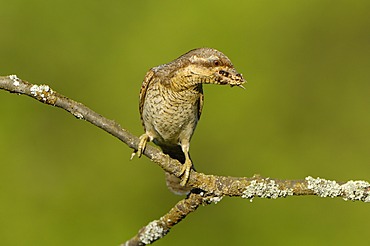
305, 111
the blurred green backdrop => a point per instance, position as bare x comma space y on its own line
305, 112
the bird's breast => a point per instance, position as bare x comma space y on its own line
170, 117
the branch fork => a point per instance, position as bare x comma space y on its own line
207, 189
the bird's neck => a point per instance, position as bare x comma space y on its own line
187, 77
183, 83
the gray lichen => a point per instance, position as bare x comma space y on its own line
78, 115
152, 232
43, 93
351, 190
15, 79
215, 199
323, 187
356, 191
265, 188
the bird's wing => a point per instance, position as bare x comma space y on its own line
200, 103
144, 86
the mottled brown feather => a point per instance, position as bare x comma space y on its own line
171, 102
144, 87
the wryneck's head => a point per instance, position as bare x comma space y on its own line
202, 66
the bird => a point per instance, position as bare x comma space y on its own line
171, 101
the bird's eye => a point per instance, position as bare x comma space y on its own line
216, 63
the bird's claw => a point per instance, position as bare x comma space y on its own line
185, 172
140, 147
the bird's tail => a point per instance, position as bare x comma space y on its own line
173, 182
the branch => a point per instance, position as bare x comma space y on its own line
159, 228
207, 188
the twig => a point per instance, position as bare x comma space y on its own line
159, 228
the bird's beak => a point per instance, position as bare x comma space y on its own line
241, 86
238, 80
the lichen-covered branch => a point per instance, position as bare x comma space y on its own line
159, 228
207, 188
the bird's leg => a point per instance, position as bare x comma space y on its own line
141, 146
185, 171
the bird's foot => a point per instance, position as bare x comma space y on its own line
185, 172
141, 146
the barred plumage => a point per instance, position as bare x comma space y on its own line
171, 102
